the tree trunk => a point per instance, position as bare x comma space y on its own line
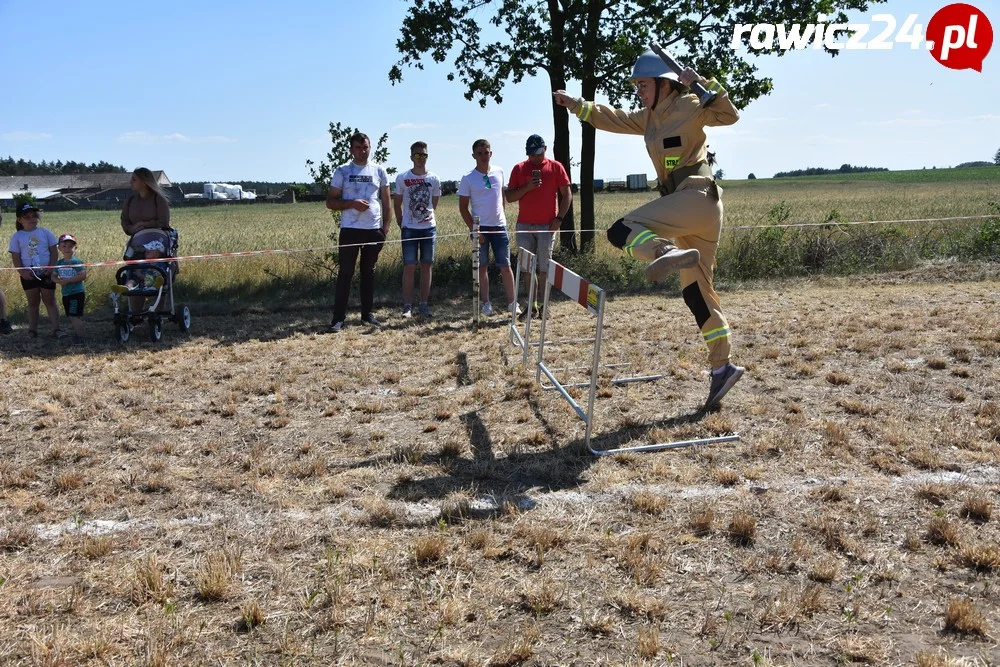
560, 118
587, 151
587, 217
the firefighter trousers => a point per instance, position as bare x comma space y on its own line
690, 217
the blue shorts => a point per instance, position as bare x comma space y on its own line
496, 238
418, 242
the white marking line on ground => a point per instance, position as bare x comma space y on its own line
426, 511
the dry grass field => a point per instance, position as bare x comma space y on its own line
261, 493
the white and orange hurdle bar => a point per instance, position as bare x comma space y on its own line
527, 262
592, 298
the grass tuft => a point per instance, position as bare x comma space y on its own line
964, 618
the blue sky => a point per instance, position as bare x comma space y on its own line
245, 91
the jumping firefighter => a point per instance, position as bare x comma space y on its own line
679, 232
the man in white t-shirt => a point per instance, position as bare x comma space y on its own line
415, 199
481, 194
360, 191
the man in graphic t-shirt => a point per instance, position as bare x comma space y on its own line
415, 198
541, 188
481, 194
360, 191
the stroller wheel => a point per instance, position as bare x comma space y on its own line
184, 318
155, 328
122, 330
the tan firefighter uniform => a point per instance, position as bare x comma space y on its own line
690, 210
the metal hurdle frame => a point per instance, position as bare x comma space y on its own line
475, 272
526, 261
592, 298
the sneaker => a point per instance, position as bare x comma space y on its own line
672, 261
425, 310
370, 320
77, 340
58, 333
337, 327
722, 383
5, 327
407, 311
487, 309
515, 308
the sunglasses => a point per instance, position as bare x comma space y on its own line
423, 155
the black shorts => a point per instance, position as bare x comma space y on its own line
45, 282
73, 304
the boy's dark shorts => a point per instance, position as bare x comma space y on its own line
45, 282
73, 304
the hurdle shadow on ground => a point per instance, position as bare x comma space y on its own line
520, 477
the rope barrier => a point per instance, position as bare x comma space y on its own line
291, 251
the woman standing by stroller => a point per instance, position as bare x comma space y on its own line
679, 232
145, 218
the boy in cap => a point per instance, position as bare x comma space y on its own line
541, 188
70, 273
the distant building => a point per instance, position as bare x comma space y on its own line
67, 192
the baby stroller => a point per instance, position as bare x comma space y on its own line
140, 282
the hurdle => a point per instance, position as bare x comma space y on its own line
526, 261
592, 298
475, 272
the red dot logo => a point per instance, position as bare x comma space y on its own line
960, 37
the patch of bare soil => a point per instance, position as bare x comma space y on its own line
261, 493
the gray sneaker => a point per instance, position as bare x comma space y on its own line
487, 309
407, 311
425, 310
337, 327
672, 261
722, 383
370, 320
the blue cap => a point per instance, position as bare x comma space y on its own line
535, 145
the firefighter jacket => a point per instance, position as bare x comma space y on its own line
674, 130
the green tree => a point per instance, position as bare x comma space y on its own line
996, 158
595, 42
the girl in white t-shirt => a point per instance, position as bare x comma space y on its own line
32, 247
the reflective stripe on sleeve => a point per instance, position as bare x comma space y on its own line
585, 109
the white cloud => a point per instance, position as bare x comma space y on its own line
990, 117
25, 136
147, 138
